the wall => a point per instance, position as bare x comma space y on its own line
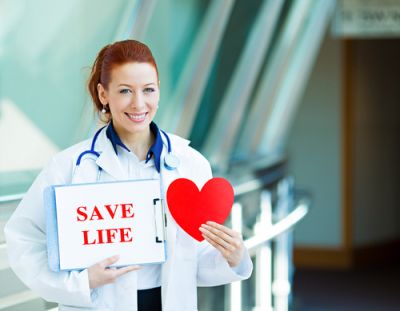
376, 153
46, 50
317, 142
314, 149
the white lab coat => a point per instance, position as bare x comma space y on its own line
189, 264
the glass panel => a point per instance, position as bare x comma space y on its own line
237, 31
46, 49
172, 32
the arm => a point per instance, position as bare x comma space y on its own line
26, 245
27, 249
214, 269
222, 257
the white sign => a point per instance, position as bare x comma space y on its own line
367, 18
96, 221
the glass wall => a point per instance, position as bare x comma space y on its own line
46, 49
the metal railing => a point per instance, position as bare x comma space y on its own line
11, 197
272, 266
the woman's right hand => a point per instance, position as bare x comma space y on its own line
100, 273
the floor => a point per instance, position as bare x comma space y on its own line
373, 289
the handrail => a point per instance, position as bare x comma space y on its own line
257, 173
11, 197
261, 182
276, 229
17, 299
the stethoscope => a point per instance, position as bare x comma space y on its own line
171, 161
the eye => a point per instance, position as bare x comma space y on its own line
124, 91
149, 90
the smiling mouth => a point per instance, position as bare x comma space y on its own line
136, 117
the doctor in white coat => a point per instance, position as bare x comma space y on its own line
125, 89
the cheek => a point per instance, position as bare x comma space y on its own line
118, 102
153, 101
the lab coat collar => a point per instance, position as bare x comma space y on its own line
157, 147
108, 159
154, 151
114, 138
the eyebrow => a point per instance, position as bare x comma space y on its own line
123, 84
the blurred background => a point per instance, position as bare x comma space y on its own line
295, 101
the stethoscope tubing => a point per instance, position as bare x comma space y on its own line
92, 150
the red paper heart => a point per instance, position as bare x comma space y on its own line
190, 207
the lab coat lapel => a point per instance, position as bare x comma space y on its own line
168, 176
108, 159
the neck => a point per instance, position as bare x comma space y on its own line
139, 143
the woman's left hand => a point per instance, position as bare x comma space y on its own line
224, 239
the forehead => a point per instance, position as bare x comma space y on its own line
134, 73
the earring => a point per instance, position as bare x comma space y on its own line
103, 111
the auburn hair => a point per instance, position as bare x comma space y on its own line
112, 55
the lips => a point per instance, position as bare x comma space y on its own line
136, 117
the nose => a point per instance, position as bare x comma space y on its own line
137, 101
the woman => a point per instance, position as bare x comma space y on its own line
124, 87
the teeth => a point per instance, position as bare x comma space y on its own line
136, 117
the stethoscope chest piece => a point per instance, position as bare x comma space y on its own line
171, 161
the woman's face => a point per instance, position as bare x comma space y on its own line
132, 95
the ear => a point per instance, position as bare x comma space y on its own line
102, 94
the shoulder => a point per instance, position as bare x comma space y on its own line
72, 153
194, 165
61, 165
182, 147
